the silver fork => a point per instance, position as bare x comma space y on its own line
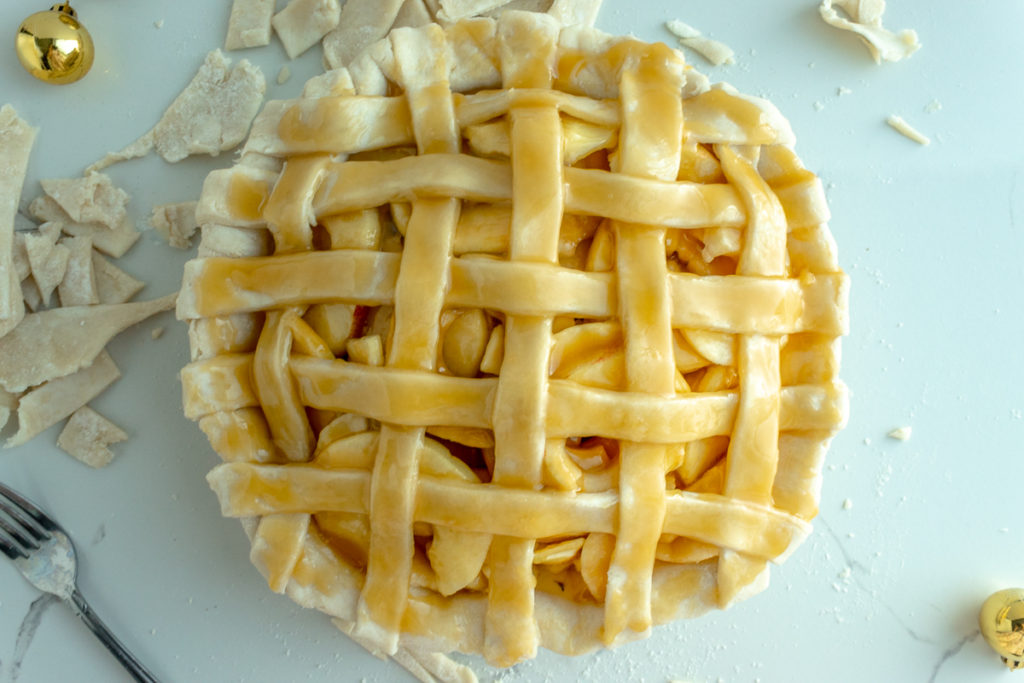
45, 555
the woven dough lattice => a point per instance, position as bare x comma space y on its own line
514, 335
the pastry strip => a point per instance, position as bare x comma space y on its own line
518, 417
733, 303
651, 138
759, 530
419, 297
753, 454
422, 399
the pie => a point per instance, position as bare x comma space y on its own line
513, 335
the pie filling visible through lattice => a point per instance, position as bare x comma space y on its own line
513, 335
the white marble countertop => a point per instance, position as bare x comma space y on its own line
912, 534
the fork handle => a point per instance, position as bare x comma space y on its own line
100, 630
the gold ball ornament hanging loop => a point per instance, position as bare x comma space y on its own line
54, 47
1002, 624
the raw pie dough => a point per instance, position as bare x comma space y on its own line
513, 335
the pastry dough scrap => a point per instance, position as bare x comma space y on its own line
55, 400
454, 10
302, 23
16, 138
575, 12
212, 114
113, 285
87, 437
79, 286
517, 5
865, 20
92, 198
526, 337
176, 223
899, 124
19, 256
47, 259
30, 292
413, 13
249, 24
362, 23
114, 242
60, 341
714, 51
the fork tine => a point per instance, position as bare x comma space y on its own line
11, 550
18, 534
22, 521
27, 507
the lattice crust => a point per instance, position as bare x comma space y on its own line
514, 336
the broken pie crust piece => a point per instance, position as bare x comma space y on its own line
588, 376
113, 285
114, 242
87, 437
176, 223
55, 400
302, 23
47, 259
865, 20
79, 286
898, 124
16, 138
92, 198
212, 114
249, 24
361, 24
63, 340
715, 52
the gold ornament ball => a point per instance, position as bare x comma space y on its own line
54, 47
1002, 623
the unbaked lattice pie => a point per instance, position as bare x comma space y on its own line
513, 335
